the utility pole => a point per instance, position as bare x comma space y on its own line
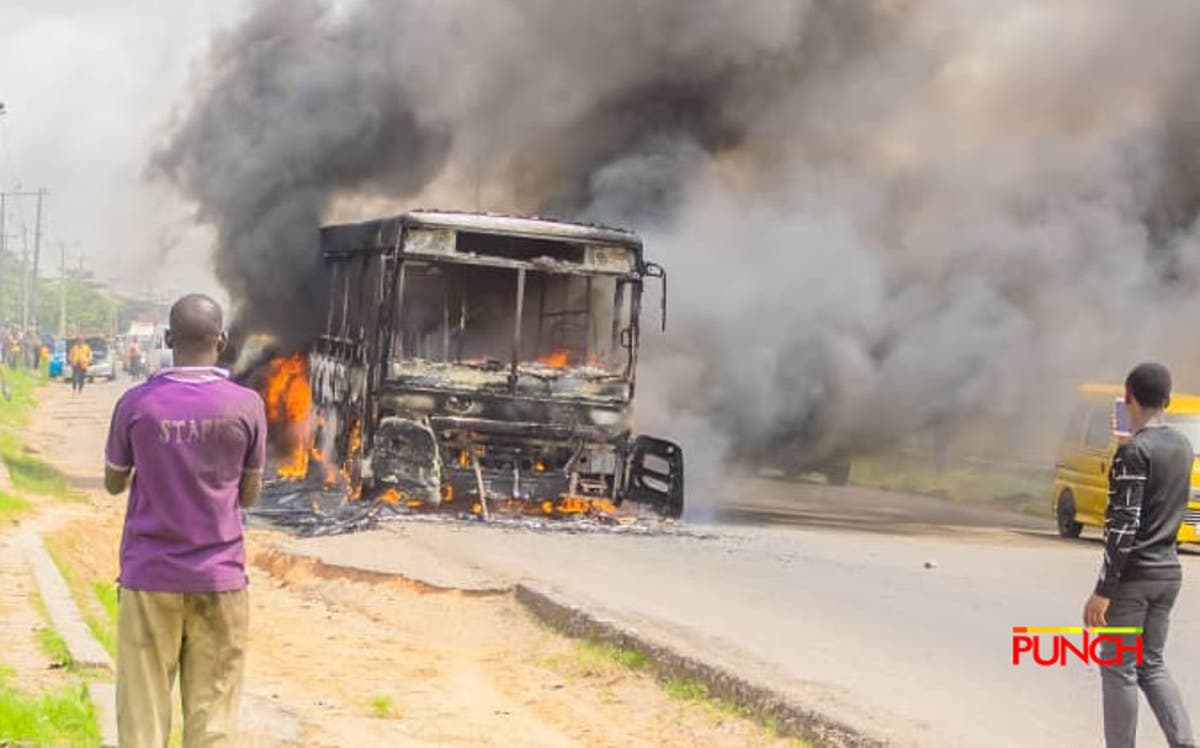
62, 290
37, 252
24, 278
37, 245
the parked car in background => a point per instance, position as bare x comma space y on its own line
103, 364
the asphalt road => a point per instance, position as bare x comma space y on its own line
826, 595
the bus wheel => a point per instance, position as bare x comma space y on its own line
1067, 526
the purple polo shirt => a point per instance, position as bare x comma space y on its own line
188, 434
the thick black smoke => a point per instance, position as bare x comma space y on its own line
878, 216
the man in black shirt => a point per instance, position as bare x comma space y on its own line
1148, 489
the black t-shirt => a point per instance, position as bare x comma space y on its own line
1148, 489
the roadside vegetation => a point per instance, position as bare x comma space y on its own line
61, 717
28, 472
61, 714
384, 707
12, 507
96, 598
55, 648
1022, 491
591, 658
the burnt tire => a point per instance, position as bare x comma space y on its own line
1064, 515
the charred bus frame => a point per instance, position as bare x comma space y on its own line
471, 356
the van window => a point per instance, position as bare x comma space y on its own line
1074, 433
1099, 428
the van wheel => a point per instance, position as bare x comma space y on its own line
1067, 526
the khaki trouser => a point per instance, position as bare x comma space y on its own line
200, 635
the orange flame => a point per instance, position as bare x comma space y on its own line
559, 359
331, 475
354, 449
289, 406
569, 504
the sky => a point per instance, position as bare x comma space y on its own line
89, 88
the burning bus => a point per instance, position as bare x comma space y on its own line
486, 363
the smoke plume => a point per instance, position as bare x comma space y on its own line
877, 216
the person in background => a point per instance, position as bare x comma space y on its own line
14, 350
33, 344
1140, 577
133, 355
194, 443
80, 358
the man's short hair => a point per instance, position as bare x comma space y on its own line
195, 319
1150, 385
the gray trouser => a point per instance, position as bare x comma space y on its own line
1146, 604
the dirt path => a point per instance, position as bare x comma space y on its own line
19, 619
364, 659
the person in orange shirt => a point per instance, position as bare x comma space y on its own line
80, 358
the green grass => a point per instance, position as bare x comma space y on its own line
48, 639
104, 633
55, 648
685, 690
12, 506
28, 472
598, 650
65, 716
61, 717
53, 645
105, 629
106, 593
1018, 491
697, 693
31, 473
590, 657
21, 384
384, 707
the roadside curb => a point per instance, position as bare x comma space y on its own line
792, 719
64, 613
68, 622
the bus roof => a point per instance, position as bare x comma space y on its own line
529, 226
341, 238
1181, 402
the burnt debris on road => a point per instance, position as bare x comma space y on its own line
313, 510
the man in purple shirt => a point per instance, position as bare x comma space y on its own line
193, 443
